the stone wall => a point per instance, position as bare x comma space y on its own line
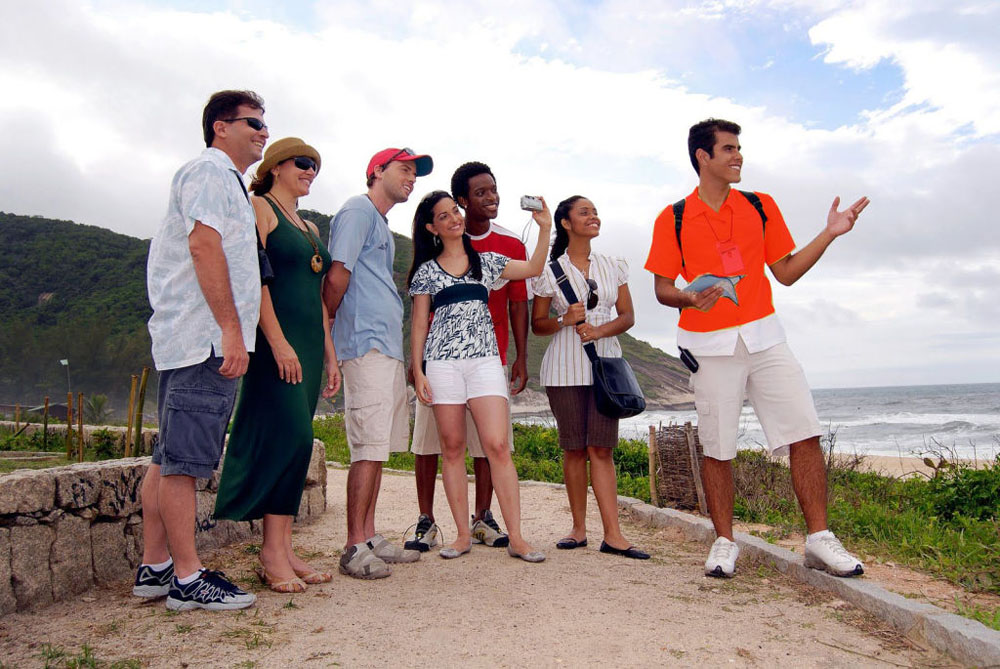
66, 529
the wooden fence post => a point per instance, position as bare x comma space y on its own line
138, 410
17, 417
654, 495
45, 425
695, 468
79, 420
69, 425
131, 416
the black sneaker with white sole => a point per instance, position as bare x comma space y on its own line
425, 535
212, 591
151, 583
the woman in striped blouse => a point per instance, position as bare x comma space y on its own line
603, 311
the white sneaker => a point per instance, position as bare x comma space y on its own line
721, 561
829, 555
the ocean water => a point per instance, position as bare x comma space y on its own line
898, 420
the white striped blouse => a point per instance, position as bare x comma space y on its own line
565, 362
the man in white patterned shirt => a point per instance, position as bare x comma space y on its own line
203, 280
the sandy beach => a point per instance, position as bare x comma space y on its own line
578, 608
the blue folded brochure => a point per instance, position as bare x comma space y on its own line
708, 280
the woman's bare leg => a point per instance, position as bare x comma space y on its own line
604, 480
451, 430
490, 414
575, 476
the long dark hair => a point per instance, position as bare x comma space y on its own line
424, 247
562, 234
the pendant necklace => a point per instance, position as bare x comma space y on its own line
316, 262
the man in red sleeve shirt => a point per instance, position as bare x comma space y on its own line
738, 346
475, 189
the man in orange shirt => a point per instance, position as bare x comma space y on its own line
737, 347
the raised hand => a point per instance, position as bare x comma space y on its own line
839, 222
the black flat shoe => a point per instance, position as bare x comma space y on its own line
570, 543
630, 552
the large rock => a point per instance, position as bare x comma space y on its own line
29, 563
77, 486
316, 475
204, 515
110, 548
121, 486
27, 492
71, 559
133, 540
317, 500
8, 603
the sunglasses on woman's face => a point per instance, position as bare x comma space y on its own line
305, 163
591, 294
252, 121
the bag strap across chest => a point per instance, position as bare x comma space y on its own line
567, 290
678, 208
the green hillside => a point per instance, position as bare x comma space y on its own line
78, 292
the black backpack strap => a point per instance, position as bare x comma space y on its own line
678, 208
754, 199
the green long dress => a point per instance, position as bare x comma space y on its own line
271, 440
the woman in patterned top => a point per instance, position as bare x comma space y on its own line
604, 310
451, 279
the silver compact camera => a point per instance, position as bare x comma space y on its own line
531, 203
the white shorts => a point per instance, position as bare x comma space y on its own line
376, 418
458, 381
425, 433
776, 386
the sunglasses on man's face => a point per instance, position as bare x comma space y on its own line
252, 121
305, 163
591, 294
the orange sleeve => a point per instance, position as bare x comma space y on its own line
664, 256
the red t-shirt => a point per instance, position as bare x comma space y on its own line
501, 240
703, 229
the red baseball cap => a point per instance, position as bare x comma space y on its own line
424, 164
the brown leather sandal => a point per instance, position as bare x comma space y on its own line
288, 587
314, 577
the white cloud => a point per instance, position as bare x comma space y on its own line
103, 103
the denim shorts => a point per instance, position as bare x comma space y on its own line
195, 404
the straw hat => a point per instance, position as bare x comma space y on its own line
283, 149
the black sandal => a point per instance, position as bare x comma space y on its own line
569, 543
630, 552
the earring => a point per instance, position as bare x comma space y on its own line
437, 240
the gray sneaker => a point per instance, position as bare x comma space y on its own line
486, 531
390, 553
359, 561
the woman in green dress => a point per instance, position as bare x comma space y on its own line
270, 444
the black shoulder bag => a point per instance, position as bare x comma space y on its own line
616, 392
266, 271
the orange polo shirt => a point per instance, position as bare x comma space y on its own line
702, 231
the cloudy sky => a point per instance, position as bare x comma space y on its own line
898, 101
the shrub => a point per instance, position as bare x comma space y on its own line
106, 444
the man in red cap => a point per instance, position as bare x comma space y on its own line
367, 316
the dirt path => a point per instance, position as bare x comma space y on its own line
577, 609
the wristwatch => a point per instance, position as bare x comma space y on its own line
559, 321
